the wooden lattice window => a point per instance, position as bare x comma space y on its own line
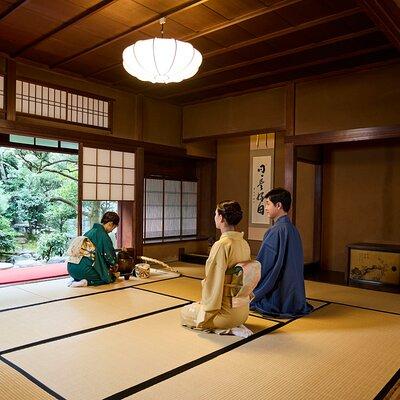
169, 209
62, 104
108, 175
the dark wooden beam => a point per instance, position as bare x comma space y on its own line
342, 71
278, 54
290, 108
386, 16
11, 79
67, 24
277, 129
317, 231
280, 71
106, 141
255, 40
242, 18
115, 38
12, 8
138, 205
281, 32
290, 176
345, 136
215, 28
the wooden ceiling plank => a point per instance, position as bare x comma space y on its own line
287, 69
12, 8
241, 18
386, 16
257, 39
287, 52
168, 13
67, 24
285, 31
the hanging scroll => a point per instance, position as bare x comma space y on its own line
261, 182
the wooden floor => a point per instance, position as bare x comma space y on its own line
125, 341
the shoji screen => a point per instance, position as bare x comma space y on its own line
108, 175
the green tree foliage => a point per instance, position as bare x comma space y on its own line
41, 190
52, 244
7, 234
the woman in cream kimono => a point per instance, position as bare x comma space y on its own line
215, 309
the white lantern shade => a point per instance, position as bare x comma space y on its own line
161, 60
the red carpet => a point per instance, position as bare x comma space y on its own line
13, 275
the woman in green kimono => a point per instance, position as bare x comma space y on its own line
95, 264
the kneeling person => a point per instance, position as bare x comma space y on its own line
92, 256
215, 310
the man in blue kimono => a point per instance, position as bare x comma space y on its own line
280, 291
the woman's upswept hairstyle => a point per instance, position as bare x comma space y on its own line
110, 216
231, 211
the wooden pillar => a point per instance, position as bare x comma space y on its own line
11, 83
317, 214
290, 176
290, 108
138, 209
139, 117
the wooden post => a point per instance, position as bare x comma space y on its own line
138, 211
290, 176
11, 86
317, 214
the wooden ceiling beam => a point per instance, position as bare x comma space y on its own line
67, 24
12, 8
273, 56
259, 39
286, 31
115, 38
386, 15
323, 75
242, 18
226, 24
283, 70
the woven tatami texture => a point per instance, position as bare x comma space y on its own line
337, 353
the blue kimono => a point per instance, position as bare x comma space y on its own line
280, 291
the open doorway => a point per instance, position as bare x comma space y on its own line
38, 211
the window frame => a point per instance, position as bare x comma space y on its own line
72, 92
163, 238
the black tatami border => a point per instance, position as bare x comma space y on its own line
83, 295
194, 363
151, 381
32, 378
93, 328
176, 371
388, 387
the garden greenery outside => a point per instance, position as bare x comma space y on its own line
38, 206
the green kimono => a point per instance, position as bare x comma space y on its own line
96, 271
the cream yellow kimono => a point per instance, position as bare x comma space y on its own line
215, 308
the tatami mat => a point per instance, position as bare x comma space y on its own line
106, 361
372, 299
189, 288
37, 292
27, 325
340, 353
15, 386
189, 269
13, 296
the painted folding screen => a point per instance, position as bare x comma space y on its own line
108, 175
